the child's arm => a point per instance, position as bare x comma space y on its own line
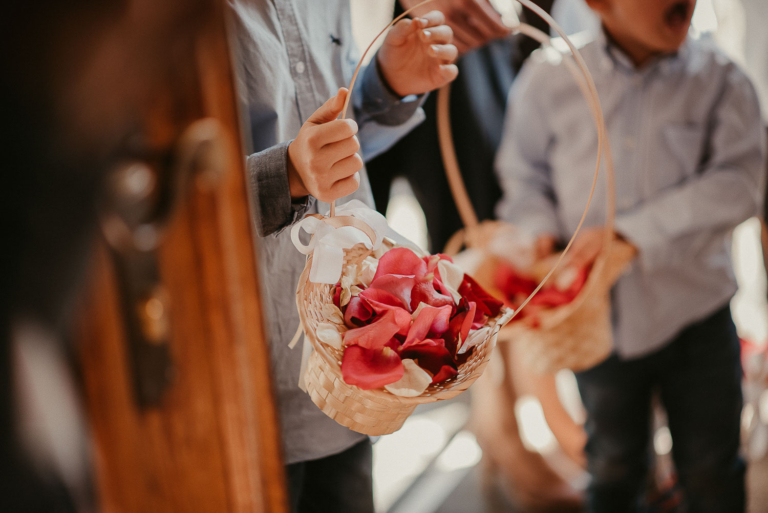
521, 164
728, 190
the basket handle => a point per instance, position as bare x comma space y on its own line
587, 86
359, 65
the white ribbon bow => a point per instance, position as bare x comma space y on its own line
328, 243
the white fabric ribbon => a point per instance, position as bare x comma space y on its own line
328, 243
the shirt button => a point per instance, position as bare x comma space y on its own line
300, 67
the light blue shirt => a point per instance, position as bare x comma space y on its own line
688, 147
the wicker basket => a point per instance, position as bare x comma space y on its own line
574, 336
371, 412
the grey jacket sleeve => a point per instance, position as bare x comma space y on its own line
268, 176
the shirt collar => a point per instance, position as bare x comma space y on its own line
612, 57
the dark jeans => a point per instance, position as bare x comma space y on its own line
698, 378
337, 484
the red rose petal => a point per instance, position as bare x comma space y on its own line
337, 296
374, 335
358, 313
397, 285
431, 322
430, 354
371, 368
486, 303
401, 261
446, 372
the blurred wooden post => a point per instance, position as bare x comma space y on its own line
212, 443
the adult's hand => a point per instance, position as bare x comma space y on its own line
474, 22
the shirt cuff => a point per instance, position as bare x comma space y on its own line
636, 229
381, 104
268, 177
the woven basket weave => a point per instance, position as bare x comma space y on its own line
574, 336
371, 412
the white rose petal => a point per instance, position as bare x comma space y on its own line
565, 278
451, 275
332, 314
474, 338
414, 382
369, 266
329, 335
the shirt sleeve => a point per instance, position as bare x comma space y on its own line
528, 199
383, 117
268, 176
727, 190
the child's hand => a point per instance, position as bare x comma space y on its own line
474, 22
545, 245
323, 159
417, 54
586, 247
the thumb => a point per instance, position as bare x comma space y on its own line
330, 109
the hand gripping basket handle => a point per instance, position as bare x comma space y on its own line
359, 65
587, 86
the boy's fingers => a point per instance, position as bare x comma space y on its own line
346, 167
446, 53
448, 72
340, 150
399, 33
330, 110
441, 35
333, 131
346, 186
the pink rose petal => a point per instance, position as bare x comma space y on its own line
424, 292
371, 368
397, 285
431, 322
400, 261
382, 302
374, 335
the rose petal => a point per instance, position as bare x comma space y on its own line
397, 285
451, 276
329, 334
473, 339
337, 295
446, 372
430, 354
371, 368
374, 335
424, 292
358, 312
400, 261
382, 301
486, 303
368, 271
414, 382
459, 327
430, 323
